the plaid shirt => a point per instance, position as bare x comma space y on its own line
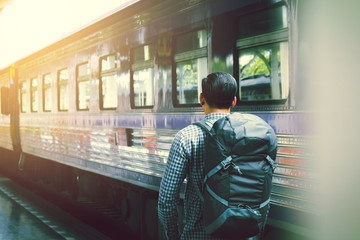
185, 161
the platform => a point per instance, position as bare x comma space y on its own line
25, 216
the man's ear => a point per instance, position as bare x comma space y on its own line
202, 99
234, 102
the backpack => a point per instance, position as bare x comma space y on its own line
239, 163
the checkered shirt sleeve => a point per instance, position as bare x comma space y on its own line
185, 160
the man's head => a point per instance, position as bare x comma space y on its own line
219, 90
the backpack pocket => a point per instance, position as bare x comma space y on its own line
236, 222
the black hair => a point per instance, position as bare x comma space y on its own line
219, 89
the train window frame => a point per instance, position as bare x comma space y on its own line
142, 65
106, 73
45, 88
267, 39
189, 55
82, 79
23, 91
34, 95
59, 92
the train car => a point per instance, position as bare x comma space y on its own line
5, 135
107, 100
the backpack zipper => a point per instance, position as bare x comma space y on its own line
236, 167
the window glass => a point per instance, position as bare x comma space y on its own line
109, 82
189, 74
144, 87
143, 76
47, 96
191, 66
34, 95
265, 21
63, 90
83, 86
108, 63
144, 53
263, 57
23, 97
263, 72
191, 41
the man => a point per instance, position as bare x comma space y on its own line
186, 161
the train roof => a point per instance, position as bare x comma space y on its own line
130, 9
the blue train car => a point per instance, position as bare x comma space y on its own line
109, 98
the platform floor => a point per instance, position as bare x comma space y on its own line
25, 216
18, 223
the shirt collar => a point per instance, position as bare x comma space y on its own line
216, 116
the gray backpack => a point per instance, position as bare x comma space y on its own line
240, 150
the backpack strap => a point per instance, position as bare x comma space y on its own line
270, 161
264, 203
226, 203
204, 124
207, 126
217, 197
223, 164
199, 193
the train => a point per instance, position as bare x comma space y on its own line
106, 101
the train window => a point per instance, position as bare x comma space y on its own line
263, 60
83, 86
143, 77
109, 84
23, 97
191, 66
63, 90
34, 95
47, 100
261, 22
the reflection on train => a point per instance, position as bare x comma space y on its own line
94, 114
257, 88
